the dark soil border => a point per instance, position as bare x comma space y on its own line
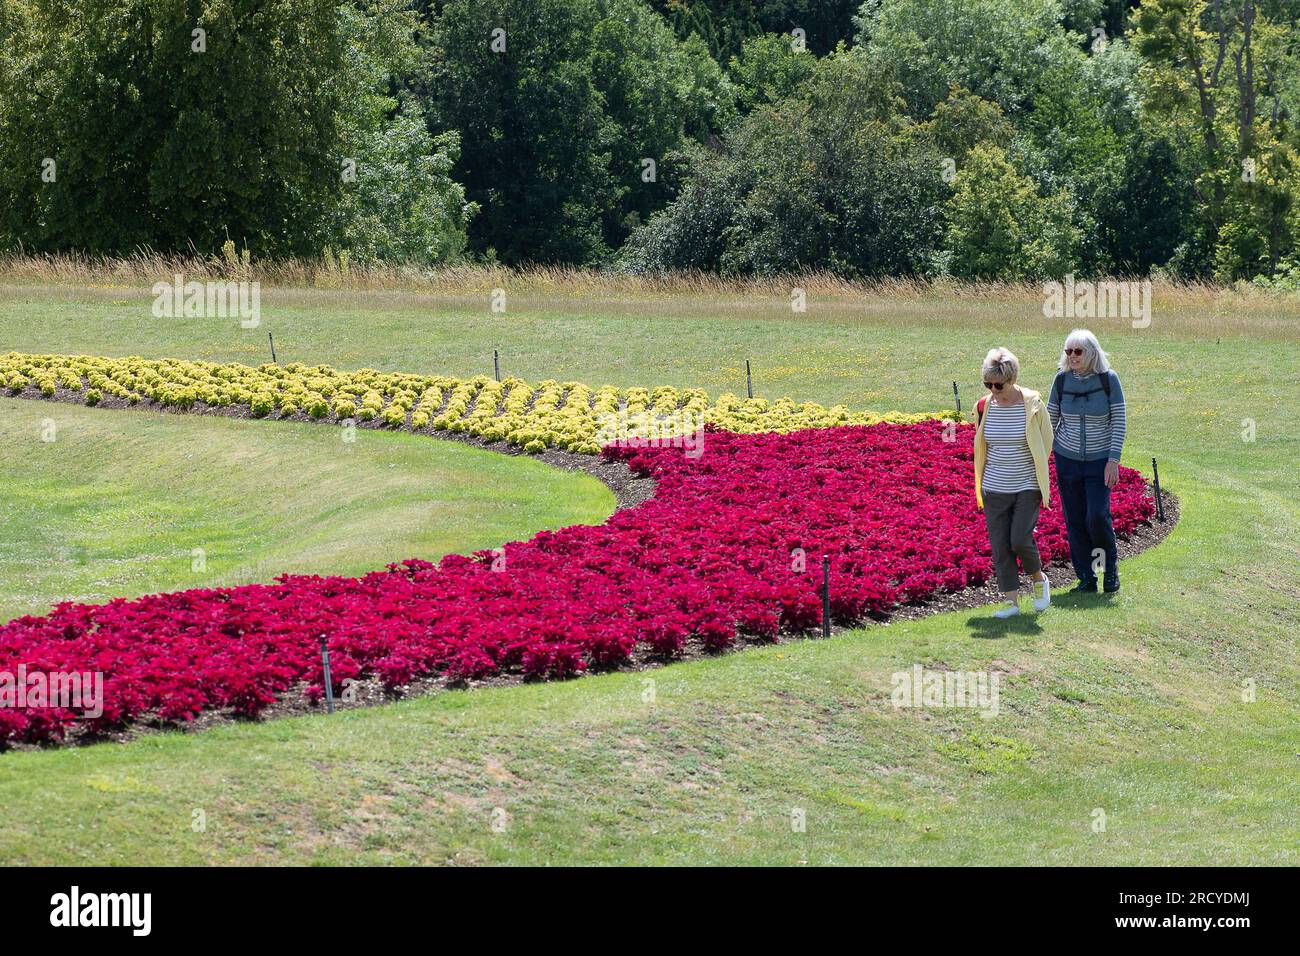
629, 490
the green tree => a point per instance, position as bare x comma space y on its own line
1078, 135
769, 68
659, 92
1144, 212
726, 25
1225, 71
964, 121
997, 49
398, 201
559, 103
1000, 227
164, 136
175, 125
827, 178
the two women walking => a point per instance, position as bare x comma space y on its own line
1083, 424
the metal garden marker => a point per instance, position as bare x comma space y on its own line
826, 596
956, 396
1160, 502
272, 341
329, 684
749, 380
496, 364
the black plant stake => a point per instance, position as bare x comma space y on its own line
329, 684
749, 381
956, 396
496, 364
274, 360
826, 596
1160, 501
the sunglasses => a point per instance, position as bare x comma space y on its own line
1074, 351
994, 385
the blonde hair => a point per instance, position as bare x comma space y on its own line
1094, 359
1002, 365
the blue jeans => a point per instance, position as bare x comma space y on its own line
1085, 503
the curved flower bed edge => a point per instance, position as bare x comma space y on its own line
726, 551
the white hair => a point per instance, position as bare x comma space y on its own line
1002, 365
1094, 359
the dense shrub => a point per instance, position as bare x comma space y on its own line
825, 178
555, 127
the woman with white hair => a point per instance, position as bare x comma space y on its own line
1013, 438
1086, 406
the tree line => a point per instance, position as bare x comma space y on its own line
978, 139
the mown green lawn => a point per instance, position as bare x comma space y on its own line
1130, 707
98, 503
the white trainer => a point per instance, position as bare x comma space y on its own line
1011, 610
1045, 598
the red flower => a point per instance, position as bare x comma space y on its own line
731, 543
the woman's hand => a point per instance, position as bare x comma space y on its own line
1112, 474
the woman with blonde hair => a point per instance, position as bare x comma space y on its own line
1013, 437
1087, 410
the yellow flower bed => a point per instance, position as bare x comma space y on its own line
566, 415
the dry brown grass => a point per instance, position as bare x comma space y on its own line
147, 268
1189, 308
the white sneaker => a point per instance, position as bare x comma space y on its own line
1011, 610
1041, 602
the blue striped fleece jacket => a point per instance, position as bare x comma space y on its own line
1087, 424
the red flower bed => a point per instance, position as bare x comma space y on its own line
730, 545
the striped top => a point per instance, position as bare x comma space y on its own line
1009, 468
1087, 425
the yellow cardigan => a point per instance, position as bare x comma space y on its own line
1038, 432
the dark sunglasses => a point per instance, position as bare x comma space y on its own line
994, 385
1074, 351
